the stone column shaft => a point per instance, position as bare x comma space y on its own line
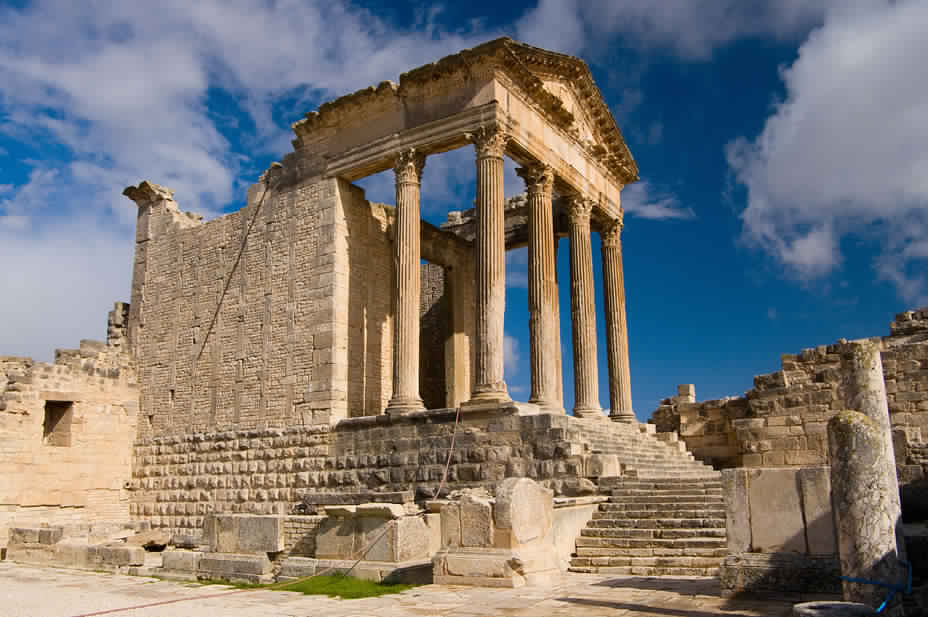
864, 486
559, 369
408, 169
490, 245
583, 310
620, 383
542, 287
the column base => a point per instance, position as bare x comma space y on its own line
548, 406
590, 413
400, 406
488, 397
625, 417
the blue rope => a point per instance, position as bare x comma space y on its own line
893, 587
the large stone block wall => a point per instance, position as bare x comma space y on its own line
273, 316
66, 432
179, 479
781, 421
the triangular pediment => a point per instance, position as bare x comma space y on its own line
568, 81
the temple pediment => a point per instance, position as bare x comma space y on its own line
538, 91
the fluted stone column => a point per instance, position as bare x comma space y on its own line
408, 169
583, 310
559, 367
489, 384
620, 383
542, 287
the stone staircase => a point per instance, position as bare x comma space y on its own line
671, 526
641, 452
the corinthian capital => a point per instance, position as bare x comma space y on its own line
579, 209
489, 141
408, 166
538, 178
611, 233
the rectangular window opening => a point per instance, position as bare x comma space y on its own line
56, 431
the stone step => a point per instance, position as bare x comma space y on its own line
683, 551
653, 533
654, 562
655, 514
696, 542
671, 499
646, 571
619, 483
635, 492
659, 523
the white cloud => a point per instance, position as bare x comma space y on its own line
844, 153
642, 200
124, 87
690, 29
511, 356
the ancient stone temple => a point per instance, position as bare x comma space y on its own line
317, 379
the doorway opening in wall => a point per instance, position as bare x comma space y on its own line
56, 431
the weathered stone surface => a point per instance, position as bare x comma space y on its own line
244, 533
180, 560
737, 513
776, 511
779, 573
815, 485
525, 508
866, 506
476, 520
233, 567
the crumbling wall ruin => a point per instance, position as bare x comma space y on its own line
782, 420
66, 430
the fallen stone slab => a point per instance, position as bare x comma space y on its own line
235, 568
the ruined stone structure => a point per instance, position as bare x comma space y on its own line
782, 420
296, 357
292, 389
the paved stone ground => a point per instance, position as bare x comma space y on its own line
27, 591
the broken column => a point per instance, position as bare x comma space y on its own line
865, 492
864, 390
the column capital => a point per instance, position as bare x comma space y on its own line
611, 233
408, 166
579, 209
538, 178
489, 141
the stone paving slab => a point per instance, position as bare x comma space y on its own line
29, 591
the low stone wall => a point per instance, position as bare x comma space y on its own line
66, 431
781, 532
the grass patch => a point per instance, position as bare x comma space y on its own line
335, 585
346, 587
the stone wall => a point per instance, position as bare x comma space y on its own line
66, 431
272, 316
781, 421
179, 479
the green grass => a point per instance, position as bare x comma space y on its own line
336, 585
345, 587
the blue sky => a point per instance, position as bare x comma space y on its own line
784, 193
